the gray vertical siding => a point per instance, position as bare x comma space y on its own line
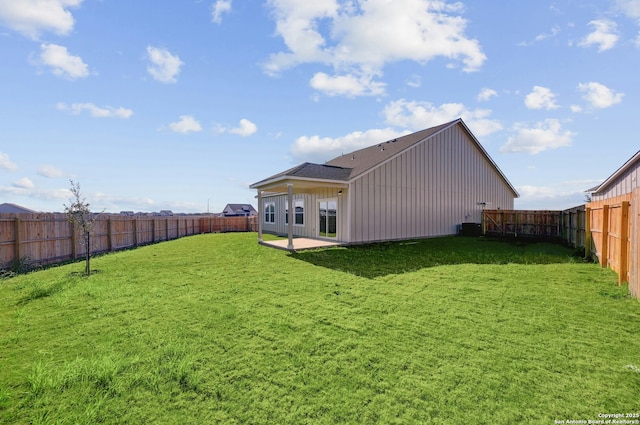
426, 191
624, 184
309, 230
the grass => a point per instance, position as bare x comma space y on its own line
217, 329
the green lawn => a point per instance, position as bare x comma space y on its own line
217, 329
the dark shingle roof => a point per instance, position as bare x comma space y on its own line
240, 208
15, 209
348, 166
313, 171
364, 159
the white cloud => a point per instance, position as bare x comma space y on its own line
545, 135
32, 17
346, 85
164, 66
220, 7
421, 115
97, 112
605, 35
559, 196
246, 128
32, 192
486, 94
540, 98
50, 171
631, 8
599, 95
320, 149
415, 81
23, 183
6, 164
541, 37
358, 38
62, 63
554, 31
186, 124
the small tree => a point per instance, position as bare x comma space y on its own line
79, 214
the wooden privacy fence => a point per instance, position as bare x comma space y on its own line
608, 230
614, 225
567, 226
49, 238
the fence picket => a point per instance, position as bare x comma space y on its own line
49, 238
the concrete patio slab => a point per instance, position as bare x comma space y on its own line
300, 244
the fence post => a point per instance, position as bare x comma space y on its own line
604, 256
109, 235
587, 233
18, 245
624, 235
135, 231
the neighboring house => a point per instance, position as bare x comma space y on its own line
420, 185
239, 210
15, 209
622, 182
613, 223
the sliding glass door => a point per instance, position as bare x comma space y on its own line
327, 217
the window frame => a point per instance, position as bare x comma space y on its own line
269, 215
296, 215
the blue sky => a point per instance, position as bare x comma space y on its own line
181, 105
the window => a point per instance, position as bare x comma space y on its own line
269, 212
298, 212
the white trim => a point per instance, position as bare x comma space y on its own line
272, 213
282, 179
338, 233
286, 213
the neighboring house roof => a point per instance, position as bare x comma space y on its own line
634, 161
15, 209
239, 209
348, 166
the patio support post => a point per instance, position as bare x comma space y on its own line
260, 215
290, 214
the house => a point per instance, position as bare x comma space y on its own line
622, 182
424, 184
15, 209
239, 210
613, 223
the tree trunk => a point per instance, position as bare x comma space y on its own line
87, 269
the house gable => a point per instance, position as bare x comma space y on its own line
622, 181
427, 189
364, 160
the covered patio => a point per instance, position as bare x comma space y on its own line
313, 222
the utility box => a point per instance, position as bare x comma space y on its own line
470, 229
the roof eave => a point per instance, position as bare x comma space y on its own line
486, 154
279, 181
620, 171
